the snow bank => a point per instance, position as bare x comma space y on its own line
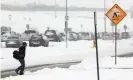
104, 63
78, 73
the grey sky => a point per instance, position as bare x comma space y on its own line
79, 3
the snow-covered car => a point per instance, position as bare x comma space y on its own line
118, 36
125, 35
13, 42
106, 37
84, 36
4, 38
62, 36
39, 40
131, 34
73, 36
53, 35
28, 33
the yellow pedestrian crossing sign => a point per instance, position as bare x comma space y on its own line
116, 14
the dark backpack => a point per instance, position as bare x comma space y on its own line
16, 54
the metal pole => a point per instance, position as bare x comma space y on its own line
95, 24
81, 27
14, 1
113, 33
55, 10
66, 18
105, 17
115, 44
0, 38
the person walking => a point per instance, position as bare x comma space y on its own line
21, 59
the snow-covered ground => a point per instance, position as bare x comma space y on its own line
86, 70
57, 53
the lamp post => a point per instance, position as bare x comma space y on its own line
81, 27
55, 9
66, 24
105, 16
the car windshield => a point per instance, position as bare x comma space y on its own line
30, 31
14, 38
36, 37
50, 33
3, 33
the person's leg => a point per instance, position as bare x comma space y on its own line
18, 69
22, 61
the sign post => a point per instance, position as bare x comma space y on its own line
115, 44
116, 14
95, 24
112, 24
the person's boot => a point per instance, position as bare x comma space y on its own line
21, 73
16, 71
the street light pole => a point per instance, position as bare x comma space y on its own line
14, 1
66, 11
81, 27
55, 9
105, 16
66, 24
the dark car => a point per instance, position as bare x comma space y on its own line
14, 42
125, 35
53, 35
38, 40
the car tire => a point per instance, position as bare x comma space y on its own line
46, 44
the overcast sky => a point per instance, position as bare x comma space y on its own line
126, 4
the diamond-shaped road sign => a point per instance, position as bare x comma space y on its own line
116, 14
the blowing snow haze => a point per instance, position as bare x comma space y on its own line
126, 4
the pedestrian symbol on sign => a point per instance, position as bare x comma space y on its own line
115, 14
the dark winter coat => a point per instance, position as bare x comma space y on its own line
22, 52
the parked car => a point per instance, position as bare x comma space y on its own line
28, 33
131, 34
73, 36
13, 42
125, 35
118, 36
84, 36
53, 35
5, 36
106, 37
39, 40
62, 36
